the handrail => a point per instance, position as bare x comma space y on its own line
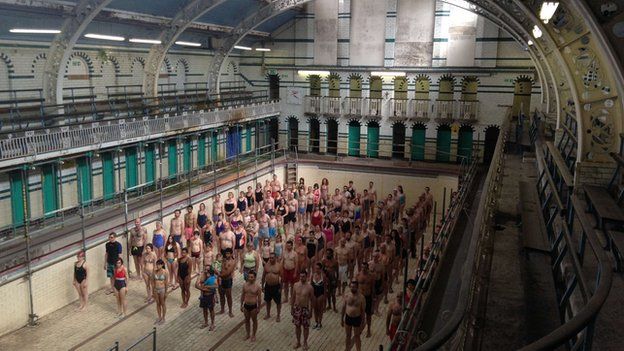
482, 220
151, 334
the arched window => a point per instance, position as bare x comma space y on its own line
523, 86
354, 138
372, 139
464, 143
398, 140
376, 87
334, 85
419, 139
293, 133
443, 143
315, 135
400, 88
332, 136
315, 85
491, 136
355, 86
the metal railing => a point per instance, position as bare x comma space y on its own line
373, 107
445, 109
101, 135
399, 107
420, 108
146, 338
468, 110
354, 106
312, 104
407, 337
332, 105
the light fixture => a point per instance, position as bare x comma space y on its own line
263, 49
247, 48
187, 43
34, 31
312, 73
537, 33
548, 10
145, 41
104, 37
388, 74
530, 42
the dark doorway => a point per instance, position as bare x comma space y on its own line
293, 133
491, 136
315, 135
274, 131
332, 136
274, 87
398, 140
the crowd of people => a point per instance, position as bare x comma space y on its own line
302, 245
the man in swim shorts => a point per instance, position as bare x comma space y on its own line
300, 308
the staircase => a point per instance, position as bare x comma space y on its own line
291, 173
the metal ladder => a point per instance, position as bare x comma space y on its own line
291, 167
568, 143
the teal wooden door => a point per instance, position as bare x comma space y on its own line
248, 137
464, 144
132, 167
83, 168
354, 139
418, 142
186, 153
17, 197
150, 163
201, 151
108, 175
372, 142
214, 146
443, 144
49, 189
172, 158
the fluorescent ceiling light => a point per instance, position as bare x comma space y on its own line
530, 42
34, 31
242, 47
388, 74
548, 10
263, 49
187, 43
104, 37
537, 33
145, 41
312, 73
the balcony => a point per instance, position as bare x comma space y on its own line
468, 111
332, 106
372, 108
400, 109
354, 107
312, 105
444, 110
419, 110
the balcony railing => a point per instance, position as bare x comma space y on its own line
399, 108
332, 105
354, 106
372, 107
468, 110
312, 104
420, 108
445, 109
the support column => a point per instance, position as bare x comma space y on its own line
325, 32
462, 38
368, 33
414, 33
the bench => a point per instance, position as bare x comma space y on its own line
600, 201
562, 168
534, 235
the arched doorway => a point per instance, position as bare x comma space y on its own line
491, 137
293, 133
332, 136
315, 135
274, 131
372, 140
419, 132
523, 87
274, 87
464, 143
398, 140
443, 143
354, 138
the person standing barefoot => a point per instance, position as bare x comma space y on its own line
300, 308
393, 316
250, 304
319, 283
208, 284
225, 288
148, 261
80, 280
353, 310
121, 288
159, 287
184, 277
271, 281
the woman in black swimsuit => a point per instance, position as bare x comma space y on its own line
259, 193
318, 281
184, 277
80, 280
229, 205
249, 195
312, 245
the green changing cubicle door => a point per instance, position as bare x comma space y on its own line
83, 166
17, 197
132, 167
108, 175
372, 143
172, 158
150, 163
419, 132
464, 143
354, 138
443, 144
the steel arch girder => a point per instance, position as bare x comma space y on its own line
62, 45
178, 25
240, 31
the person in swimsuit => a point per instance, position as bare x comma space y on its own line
121, 288
249, 261
80, 280
271, 281
240, 241
300, 308
331, 272
393, 316
184, 277
366, 282
241, 202
353, 309
265, 251
159, 286
158, 240
319, 284
176, 226
228, 267
229, 205
138, 239
343, 256
290, 272
207, 283
250, 196
312, 246
217, 208
259, 197
113, 252
149, 260
325, 189
250, 305
197, 247
202, 221
190, 224
172, 252
278, 247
